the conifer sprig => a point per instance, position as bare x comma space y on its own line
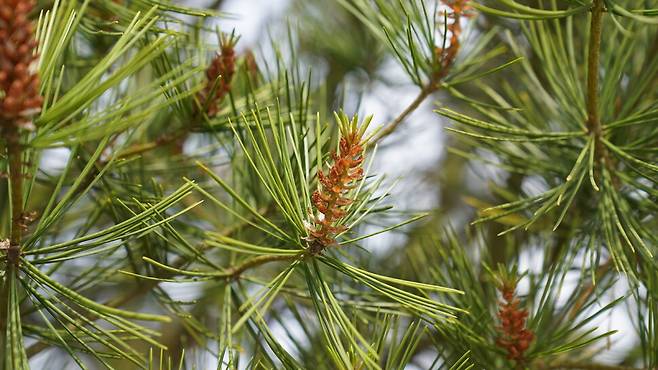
593, 177
258, 259
426, 40
288, 251
517, 324
20, 100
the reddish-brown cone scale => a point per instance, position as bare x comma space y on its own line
219, 75
514, 337
446, 57
19, 81
330, 199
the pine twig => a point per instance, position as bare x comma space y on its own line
20, 100
14, 153
594, 126
393, 125
142, 289
445, 58
12, 254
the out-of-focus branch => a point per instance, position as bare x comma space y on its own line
393, 125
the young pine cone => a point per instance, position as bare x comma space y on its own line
19, 81
514, 337
331, 197
218, 77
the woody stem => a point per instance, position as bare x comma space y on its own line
594, 126
14, 154
12, 137
393, 125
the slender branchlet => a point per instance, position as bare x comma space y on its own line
443, 60
514, 336
219, 76
594, 125
19, 101
330, 199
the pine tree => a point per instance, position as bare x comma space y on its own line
174, 198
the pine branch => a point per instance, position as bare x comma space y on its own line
136, 93
143, 288
594, 125
14, 153
13, 251
594, 53
439, 64
20, 100
393, 125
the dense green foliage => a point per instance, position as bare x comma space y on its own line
173, 198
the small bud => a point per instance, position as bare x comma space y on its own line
251, 65
218, 77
